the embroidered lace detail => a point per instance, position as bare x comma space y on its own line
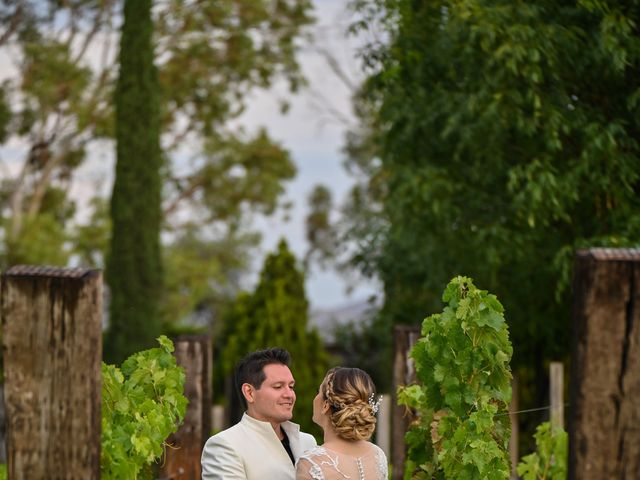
316, 472
318, 457
323, 464
381, 463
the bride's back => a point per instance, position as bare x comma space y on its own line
345, 408
322, 463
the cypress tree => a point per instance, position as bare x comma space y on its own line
276, 314
133, 265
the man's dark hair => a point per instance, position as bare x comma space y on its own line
251, 368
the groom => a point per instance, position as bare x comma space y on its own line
264, 445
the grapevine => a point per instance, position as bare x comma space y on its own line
549, 461
142, 403
462, 364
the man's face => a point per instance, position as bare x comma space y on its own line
273, 401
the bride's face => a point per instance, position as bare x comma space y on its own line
320, 408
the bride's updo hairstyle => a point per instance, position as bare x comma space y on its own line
348, 390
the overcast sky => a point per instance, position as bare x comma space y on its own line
315, 137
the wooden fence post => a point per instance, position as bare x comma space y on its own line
3, 428
515, 428
52, 348
556, 392
218, 418
383, 425
404, 373
182, 457
604, 425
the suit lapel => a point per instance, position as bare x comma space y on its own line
269, 437
293, 432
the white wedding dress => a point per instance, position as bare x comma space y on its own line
321, 463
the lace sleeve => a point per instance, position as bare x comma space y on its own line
382, 463
307, 470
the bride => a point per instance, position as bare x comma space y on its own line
345, 409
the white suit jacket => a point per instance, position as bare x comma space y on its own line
251, 450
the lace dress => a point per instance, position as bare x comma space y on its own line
321, 463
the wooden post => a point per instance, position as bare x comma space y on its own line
3, 431
52, 348
604, 422
515, 430
383, 425
218, 418
403, 374
556, 393
182, 457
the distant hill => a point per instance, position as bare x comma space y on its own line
325, 320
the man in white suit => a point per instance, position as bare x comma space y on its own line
264, 445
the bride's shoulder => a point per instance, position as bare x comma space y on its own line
314, 452
376, 448
379, 452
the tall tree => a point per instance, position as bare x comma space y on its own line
56, 109
133, 265
276, 314
55, 104
507, 136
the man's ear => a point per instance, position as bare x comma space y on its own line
248, 392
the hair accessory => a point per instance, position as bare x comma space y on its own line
374, 404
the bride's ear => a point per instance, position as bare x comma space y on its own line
325, 406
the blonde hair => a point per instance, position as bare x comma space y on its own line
348, 390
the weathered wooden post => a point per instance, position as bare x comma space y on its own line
515, 428
404, 373
182, 457
383, 425
556, 394
52, 348
604, 421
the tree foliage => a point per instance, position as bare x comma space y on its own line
54, 104
276, 314
56, 107
504, 135
320, 238
203, 275
134, 269
358, 344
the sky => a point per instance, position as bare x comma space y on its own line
313, 136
